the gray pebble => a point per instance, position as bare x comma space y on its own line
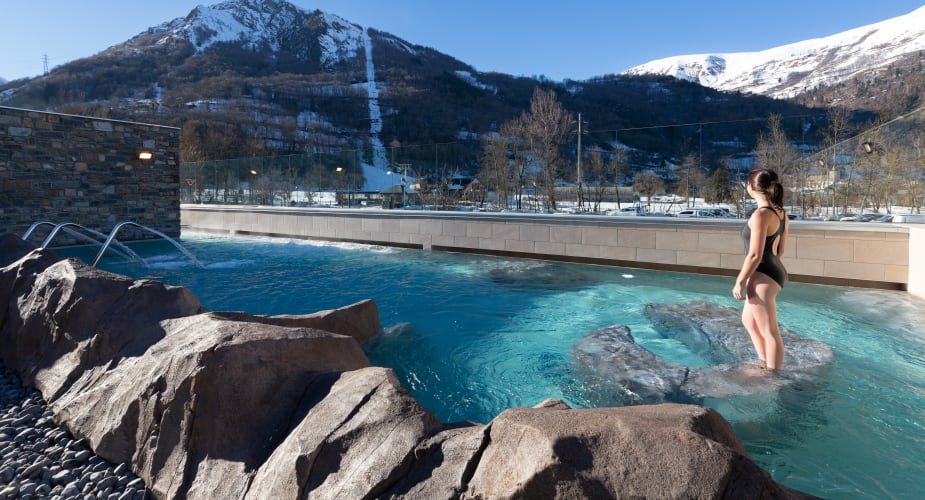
39, 446
138, 484
9, 492
45, 422
54, 452
33, 409
70, 490
107, 482
21, 421
63, 477
83, 456
28, 488
33, 469
121, 469
97, 464
24, 436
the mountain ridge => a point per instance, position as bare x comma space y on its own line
316, 83
790, 70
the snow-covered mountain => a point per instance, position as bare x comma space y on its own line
250, 78
264, 24
790, 70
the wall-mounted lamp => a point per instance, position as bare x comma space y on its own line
339, 169
145, 155
253, 172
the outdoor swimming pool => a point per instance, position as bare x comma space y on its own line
490, 333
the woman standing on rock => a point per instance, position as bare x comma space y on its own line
763, 274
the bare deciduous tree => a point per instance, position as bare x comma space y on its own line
648, 184
546, 128
774, 149
839, 123
598, 179
497, 169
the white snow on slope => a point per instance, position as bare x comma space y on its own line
788, 70
228, 22
342, 41
222, 27
471, 80
379, 159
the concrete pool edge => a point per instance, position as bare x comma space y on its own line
876, 256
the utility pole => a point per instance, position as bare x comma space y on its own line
580, 197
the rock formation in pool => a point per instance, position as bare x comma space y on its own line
615, 370
204, 404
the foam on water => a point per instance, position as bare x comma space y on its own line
471, 335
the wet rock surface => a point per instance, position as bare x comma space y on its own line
616, 370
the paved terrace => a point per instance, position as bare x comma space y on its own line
870, 255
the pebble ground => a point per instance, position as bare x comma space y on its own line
39, 460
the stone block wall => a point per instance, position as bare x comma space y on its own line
66, 168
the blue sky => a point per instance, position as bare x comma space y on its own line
521, 37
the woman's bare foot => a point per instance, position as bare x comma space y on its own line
754, 372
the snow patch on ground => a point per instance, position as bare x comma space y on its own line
471, 80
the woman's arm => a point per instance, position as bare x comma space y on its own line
758, 226
782, 245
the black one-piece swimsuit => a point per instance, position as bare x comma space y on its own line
770, 263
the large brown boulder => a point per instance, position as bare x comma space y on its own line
354, 443
20, 263
13, 248
71, 317
658, 451
359, 320
202, 409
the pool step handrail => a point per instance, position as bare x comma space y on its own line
35, 225
117, 227
105, 240
66, 227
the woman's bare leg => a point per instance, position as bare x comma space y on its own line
762, 302
748, 320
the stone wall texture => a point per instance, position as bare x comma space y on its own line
65, 168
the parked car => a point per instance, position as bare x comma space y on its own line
705, 212
909, 218
860, 218
633, 210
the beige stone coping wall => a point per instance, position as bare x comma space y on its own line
863, 254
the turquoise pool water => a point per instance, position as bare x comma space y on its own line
471, 335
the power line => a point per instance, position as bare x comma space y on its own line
718, 122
